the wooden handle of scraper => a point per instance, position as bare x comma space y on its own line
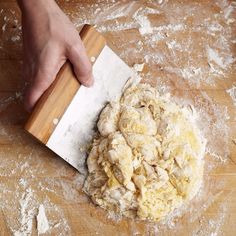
54, 102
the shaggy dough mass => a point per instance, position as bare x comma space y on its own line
148, 158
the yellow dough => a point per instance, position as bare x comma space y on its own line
148, 158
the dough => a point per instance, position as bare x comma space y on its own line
148, 158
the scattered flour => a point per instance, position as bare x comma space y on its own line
213, 121
42, 221
141, 17
209, 36
232, 93
4, 27
145, 25
27, 213
213, 56
15, 38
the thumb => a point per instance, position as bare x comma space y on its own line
81, 64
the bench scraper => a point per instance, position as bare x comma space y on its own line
64, 117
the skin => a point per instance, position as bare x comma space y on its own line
49, 39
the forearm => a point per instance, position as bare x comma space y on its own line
32, 5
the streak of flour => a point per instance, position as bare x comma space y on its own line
25, 195
213, 123
27, 213
118, 19
10, 21
35, 215
232, 93
42, 221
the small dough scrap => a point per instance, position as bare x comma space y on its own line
148, 158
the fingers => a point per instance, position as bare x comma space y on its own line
36, 89
81, 64
45, 75
48, 67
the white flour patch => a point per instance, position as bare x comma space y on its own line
42, 221
15, 38
174, 45
213, 56
232, 93
117, 27
4, 27
213, 122
27, 214
5, 102
215, 27
57, 219
157, 37
145, 25
170, 28
23, 182
115, 11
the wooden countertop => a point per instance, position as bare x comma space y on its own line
189, 51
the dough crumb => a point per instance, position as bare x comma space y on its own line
148, 158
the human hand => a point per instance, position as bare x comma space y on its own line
49, 39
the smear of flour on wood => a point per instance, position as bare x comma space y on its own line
232, 93
57, 218
27, 213
213, 122
5, 102
42, 221
213, 225
30, 209
115, 11
140, 16
10, 21
213, 56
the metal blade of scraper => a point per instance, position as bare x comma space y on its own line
76, 127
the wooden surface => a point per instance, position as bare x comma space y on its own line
185, 34
54, 102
